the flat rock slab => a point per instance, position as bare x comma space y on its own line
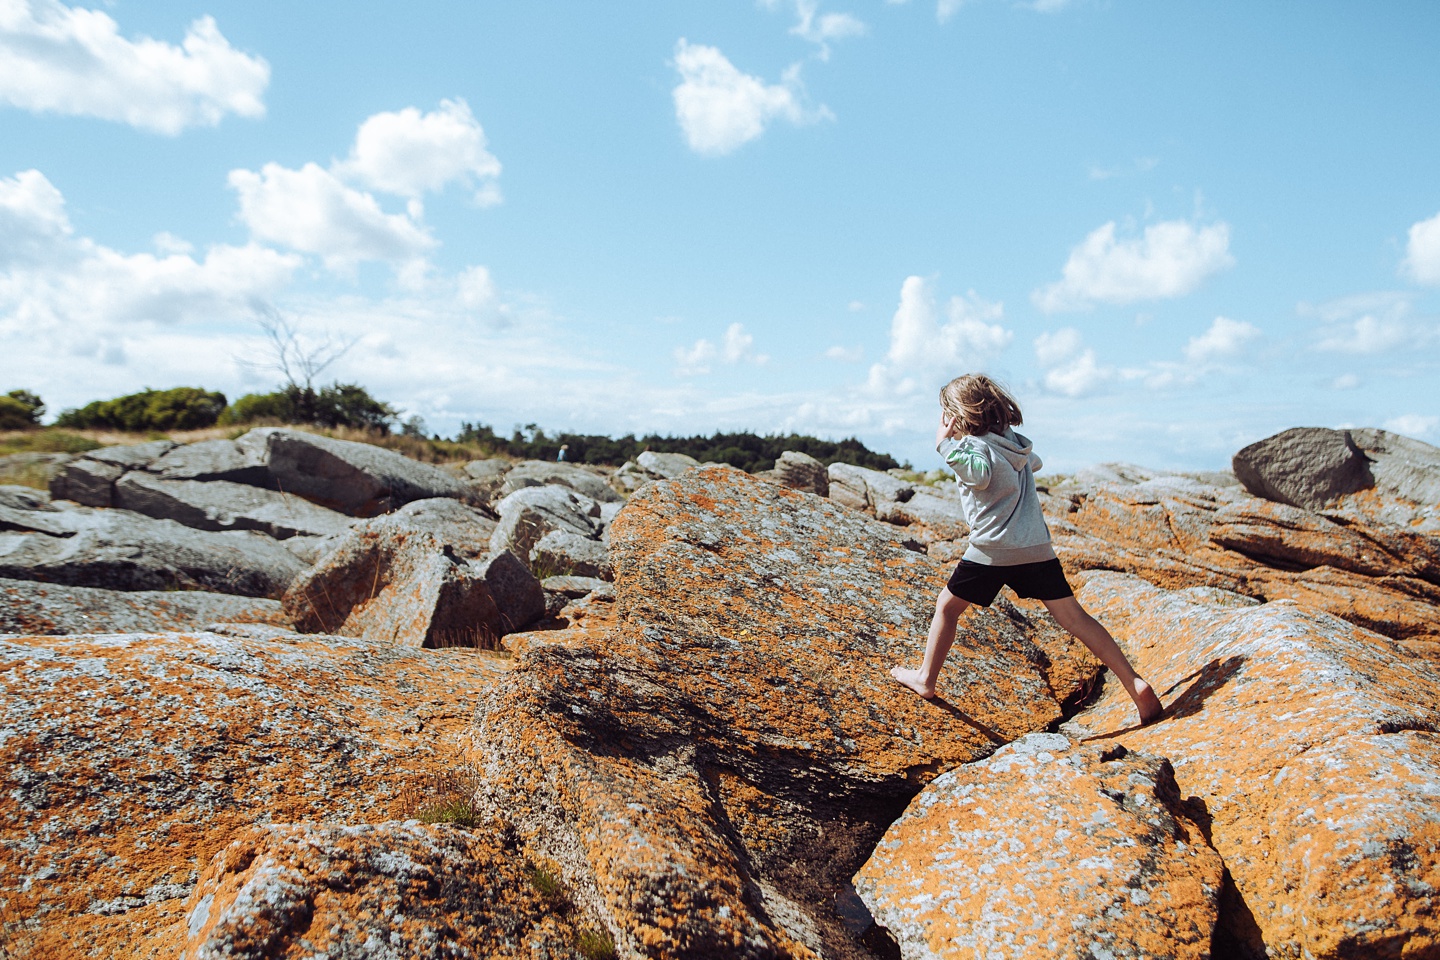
1312, 744
129, 761
121, 550
1047, 848
710, 769
27, 607
225, 505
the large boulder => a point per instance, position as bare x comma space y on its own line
538, 473
1048, 848
90, 479
130, 761
800, 471
236, 462
226, 505
1308, 467
355, 478
1313, 748
121, 550
464, 529
407, 587
28, 607
710, 770
528, 514
562, 553
665, 465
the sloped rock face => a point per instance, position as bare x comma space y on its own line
1177, 532
128, 762
1313, 746
27, 607
710, 769
530, 514
1047, 848
392, 889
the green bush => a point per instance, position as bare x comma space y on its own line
338, 405
20, 410
179, 408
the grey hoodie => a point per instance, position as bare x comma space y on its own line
996, 473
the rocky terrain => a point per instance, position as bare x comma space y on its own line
289, 696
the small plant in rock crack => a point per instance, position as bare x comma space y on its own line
551, 889
447, 797
595, 945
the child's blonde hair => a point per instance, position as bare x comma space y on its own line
979, 405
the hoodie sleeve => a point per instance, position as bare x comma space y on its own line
1036, 463
969, 461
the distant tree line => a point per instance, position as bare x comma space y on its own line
350, 405
748, 451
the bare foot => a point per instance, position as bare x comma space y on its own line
1149, 705
911, 679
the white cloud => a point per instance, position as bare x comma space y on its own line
1170, 260
311, 210
409, 153
1225, 338
1422, 253
59, 59
1346, 381
1415, 425
1368, 334
1070, 367
475, 289
822, 28
845, 354
736, 346
695, 359
719, 108
82, 297
924, 349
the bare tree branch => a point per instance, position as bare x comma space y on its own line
298, 359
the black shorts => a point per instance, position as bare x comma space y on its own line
979, 583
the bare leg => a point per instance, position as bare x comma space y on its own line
1089, 631
948, 608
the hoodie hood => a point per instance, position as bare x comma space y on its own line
1014, 447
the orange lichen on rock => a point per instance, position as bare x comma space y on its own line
711, 769
307, 890
1047, 848
1312, 744
129, 760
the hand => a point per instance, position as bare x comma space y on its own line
946, 428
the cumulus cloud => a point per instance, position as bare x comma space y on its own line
1367, 334
311, 210
409, 153
736, 346
1171, 259
1225, 338
1070, 367
720, 109
923, 349
59, 59
845, 354
1422, 252
1417, 425
54, 283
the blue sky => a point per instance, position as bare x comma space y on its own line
1171, 228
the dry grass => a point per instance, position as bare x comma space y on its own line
35, 475
447, 797
49, 440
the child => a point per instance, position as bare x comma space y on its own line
1009, 541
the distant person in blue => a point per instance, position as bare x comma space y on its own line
560, 456
1009, 541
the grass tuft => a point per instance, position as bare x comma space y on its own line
46, 441
595, 945
447, 797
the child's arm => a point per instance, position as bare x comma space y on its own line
971, 465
